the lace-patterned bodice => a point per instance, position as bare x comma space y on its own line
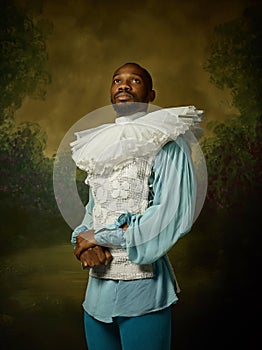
126, 189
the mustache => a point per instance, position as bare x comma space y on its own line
126, 93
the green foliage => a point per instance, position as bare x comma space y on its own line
27, 203
26, 173
26, 188
233, 162
23, 57
235, 61
233, 153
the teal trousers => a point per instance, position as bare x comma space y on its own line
150, 331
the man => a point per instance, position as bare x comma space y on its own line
142, 200
130, 84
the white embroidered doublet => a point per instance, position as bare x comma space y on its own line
125, 190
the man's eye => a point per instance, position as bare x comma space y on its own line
116, 81
135, 80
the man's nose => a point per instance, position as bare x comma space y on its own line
124, 86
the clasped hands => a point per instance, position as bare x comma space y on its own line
89, 253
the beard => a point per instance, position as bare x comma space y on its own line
127, 108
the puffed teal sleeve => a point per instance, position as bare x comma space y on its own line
152, 234
87, 222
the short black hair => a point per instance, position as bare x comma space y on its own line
147, 74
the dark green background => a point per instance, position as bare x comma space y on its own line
56, 64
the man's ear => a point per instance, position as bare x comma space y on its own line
151, 95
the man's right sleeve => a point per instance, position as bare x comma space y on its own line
87, 223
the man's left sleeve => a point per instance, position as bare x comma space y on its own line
153, 233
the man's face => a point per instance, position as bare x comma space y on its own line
129, 85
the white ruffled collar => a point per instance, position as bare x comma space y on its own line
129, 118
108, 147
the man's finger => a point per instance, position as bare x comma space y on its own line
100, 252
108, 256
81, 246
89, 258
